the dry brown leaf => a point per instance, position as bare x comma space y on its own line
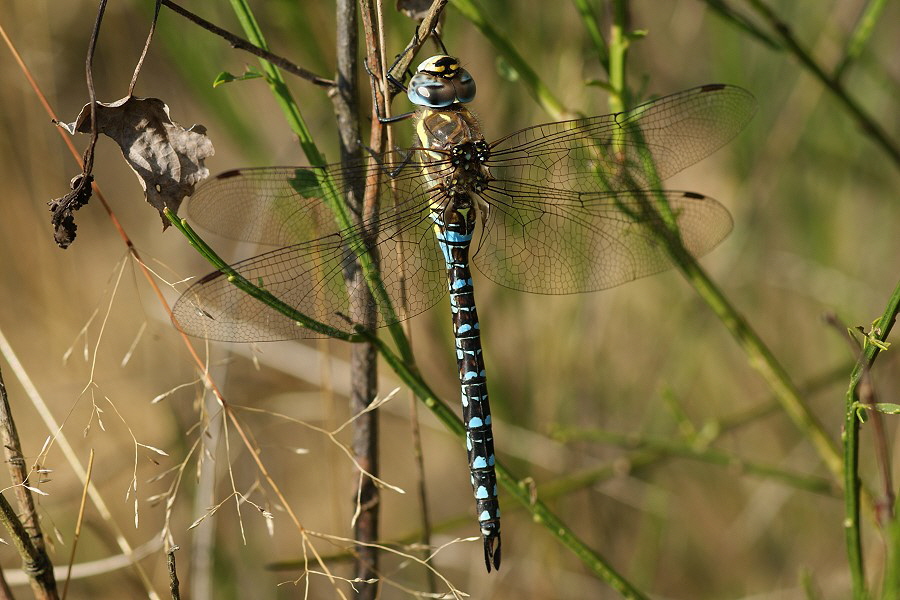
167, 158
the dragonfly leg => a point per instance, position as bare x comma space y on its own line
394, 82
404, 163
401, 87
398, 84
390, 72
389, 120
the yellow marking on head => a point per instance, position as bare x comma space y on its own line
441, 66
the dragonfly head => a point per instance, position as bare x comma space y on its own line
439, 82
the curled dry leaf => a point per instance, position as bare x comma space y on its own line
62, 208
167, 158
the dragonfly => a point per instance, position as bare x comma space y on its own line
559, 208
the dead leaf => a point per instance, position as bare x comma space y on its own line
62, 208
167, 158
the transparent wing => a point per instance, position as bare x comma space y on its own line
279, 206
567, 214
568, 200
610, 152
287, 205
561, 242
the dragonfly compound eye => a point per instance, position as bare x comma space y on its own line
430, 91
439, 82
464, 85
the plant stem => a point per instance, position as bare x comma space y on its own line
541, 92
408, 373
589, 20
617, 49
831, 82
760, 357
850, 440
282, 94
539, 511
363, 359
860, 36
31, 545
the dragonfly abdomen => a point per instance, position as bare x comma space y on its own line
454, 228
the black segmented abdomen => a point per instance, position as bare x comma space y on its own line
454, 230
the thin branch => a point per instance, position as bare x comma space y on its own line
140, 62
34, 562
12, 449
884, 507
363, 359
743, 23
31, 546
850, 439
426, 26
242, 44
78, 523
173, 575
831, 82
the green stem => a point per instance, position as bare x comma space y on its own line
832, 83
618, 47
539, 511
538, 89
760, 357
850, 438
860, 36
279, 88
247, 287
342, 215
589, 20
663, 447
408, 373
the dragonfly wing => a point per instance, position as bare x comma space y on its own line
280, 206
541, 240
309, 274
630, 150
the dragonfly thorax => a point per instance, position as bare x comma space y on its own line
453, 154
468, 166
460, 187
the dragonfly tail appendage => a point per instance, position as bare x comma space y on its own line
492, 551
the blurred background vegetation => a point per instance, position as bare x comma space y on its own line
643, 375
